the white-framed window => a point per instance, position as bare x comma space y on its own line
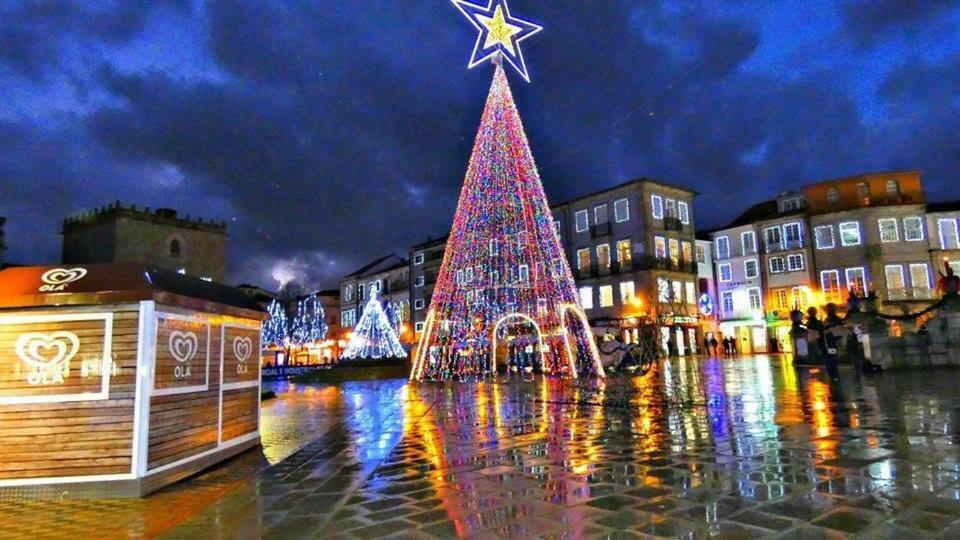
795, 262
581, 220
419, 304
751, 268
523, 271
663, 289
723, 247
494, 247
684, 210
660, 247
360, 291
586, 297
792, 235
830, 284
418, 258
856, 280
920, 280
725, 272
777, 265
624, 252
583, 259
600, 214
348, 317
603, 256
606, 295
691, 291
656, 206
677, 291
348, 292
823, 237
468, 274
949, 238
913, 229
800, 296
850, 233
459, 276
756, 301
773, 238
781, 298
791, 204
419, 281
674, 250
748, 241
888, 230
896, 284
627, 291
376, 286
621, 210
726, 302
701, 254
418, 328
671, 205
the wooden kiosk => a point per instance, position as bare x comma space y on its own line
117, 380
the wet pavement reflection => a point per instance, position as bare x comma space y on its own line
737, 448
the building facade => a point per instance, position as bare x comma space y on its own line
161, 238
389, 278
943, 226
425, 260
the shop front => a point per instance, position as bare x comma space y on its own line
750, 335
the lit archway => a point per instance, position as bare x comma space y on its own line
536, 327
591, 344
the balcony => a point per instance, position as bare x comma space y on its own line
600, 230
787, 245
646, 262
672, 224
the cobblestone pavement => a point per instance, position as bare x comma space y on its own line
760, 449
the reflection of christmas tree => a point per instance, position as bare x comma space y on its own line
503, 268
275, 329
374, 337
308, 324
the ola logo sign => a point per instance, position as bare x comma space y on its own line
56, 279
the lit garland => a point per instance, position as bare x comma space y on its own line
308, 323
504, 267
276, 329
374, 337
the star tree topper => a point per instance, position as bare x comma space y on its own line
499, 33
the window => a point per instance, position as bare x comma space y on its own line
684, 210
348, 293
920, 280
663, 289
418, 258
656, 206
418, 328
723, 247
749, 242
701, 254
725, 273
856, 280
772, 238
600, 214
888, 230
660, 247
376, 286
687, 250
494, 247
523, 271
674, 251
800, 296
896, 287
174, 248
583, 259
863, 192
949, 239
893, 188
824, 237
781, 299
418, 304
830, 285
677, 291
418, 282
791, 235
913, 229
468, 273
556, 226
603, 256
756, 303
795, 262
360, 291
751, 269
627, 291
581, 220
586, 297
726, 302
621, 210
776, 265
606, 295
624, 252
671, 208
790, 205
691, 291
850, 233
833, 195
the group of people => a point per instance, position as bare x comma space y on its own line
711, 345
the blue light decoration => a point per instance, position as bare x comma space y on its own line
499, 33
706, 305
276, 328
308, 324
374, 336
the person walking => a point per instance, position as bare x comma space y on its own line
715, 344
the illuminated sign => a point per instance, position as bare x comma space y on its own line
56, 279
706, 304
498, 33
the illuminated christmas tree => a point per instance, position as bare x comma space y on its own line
374, 336
504, 270
275, 329
308, 324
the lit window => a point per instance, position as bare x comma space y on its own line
663, 289
756, 303
725, 272
660, 247
749, 242
701, 254
781, 298
586, 297
691, 292
674, 251
723, 247
856, 280
418, 258
684, 210
418, 304
583, 259
795, 262
949, 239
893, 188
751, 269
920, 280
671, 205
687, 251
621, 210
624, 252
888, 230
627, 291
603, 256
896, 286
726, 302
606, 295
801, 298
656, 206
776, 265
824, 237
913, 229
600, 214
581, 220
863, 192
677, 291
772, 238
791, 235
850, 233
348, 292
833, 195
830, 285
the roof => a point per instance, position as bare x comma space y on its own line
945, 206
861, 175
758, 212
635, 181
96, 284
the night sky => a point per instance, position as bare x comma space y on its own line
327, 133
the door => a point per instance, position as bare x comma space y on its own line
759, 337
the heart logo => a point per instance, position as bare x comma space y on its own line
44, 351
183, 345
242, 347
59, 276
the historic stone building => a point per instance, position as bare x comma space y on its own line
389, 278
160, 238
943, 224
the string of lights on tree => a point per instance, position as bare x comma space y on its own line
308, 324
373, 336
276, 328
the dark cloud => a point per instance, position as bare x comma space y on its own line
868, 20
